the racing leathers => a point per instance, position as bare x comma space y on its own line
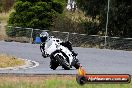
65, 44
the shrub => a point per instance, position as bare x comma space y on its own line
119, 15
34, 14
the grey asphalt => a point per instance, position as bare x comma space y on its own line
102, 61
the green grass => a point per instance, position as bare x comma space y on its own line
52, 82
73, 84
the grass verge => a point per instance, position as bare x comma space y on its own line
51, 82
10, 61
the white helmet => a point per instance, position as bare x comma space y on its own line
44, 36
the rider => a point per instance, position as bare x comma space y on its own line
44, 37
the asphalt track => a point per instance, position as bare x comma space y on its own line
102, 61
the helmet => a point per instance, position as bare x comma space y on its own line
44, 36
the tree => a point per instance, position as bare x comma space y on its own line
120, 19
35, 13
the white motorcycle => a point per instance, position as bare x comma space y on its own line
60, 55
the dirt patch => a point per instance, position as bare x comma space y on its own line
10, 61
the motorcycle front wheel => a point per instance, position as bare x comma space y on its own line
63, 62
53, 65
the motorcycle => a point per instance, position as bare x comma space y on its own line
60, 55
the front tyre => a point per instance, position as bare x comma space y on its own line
53, 65
63, 62
66, 65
